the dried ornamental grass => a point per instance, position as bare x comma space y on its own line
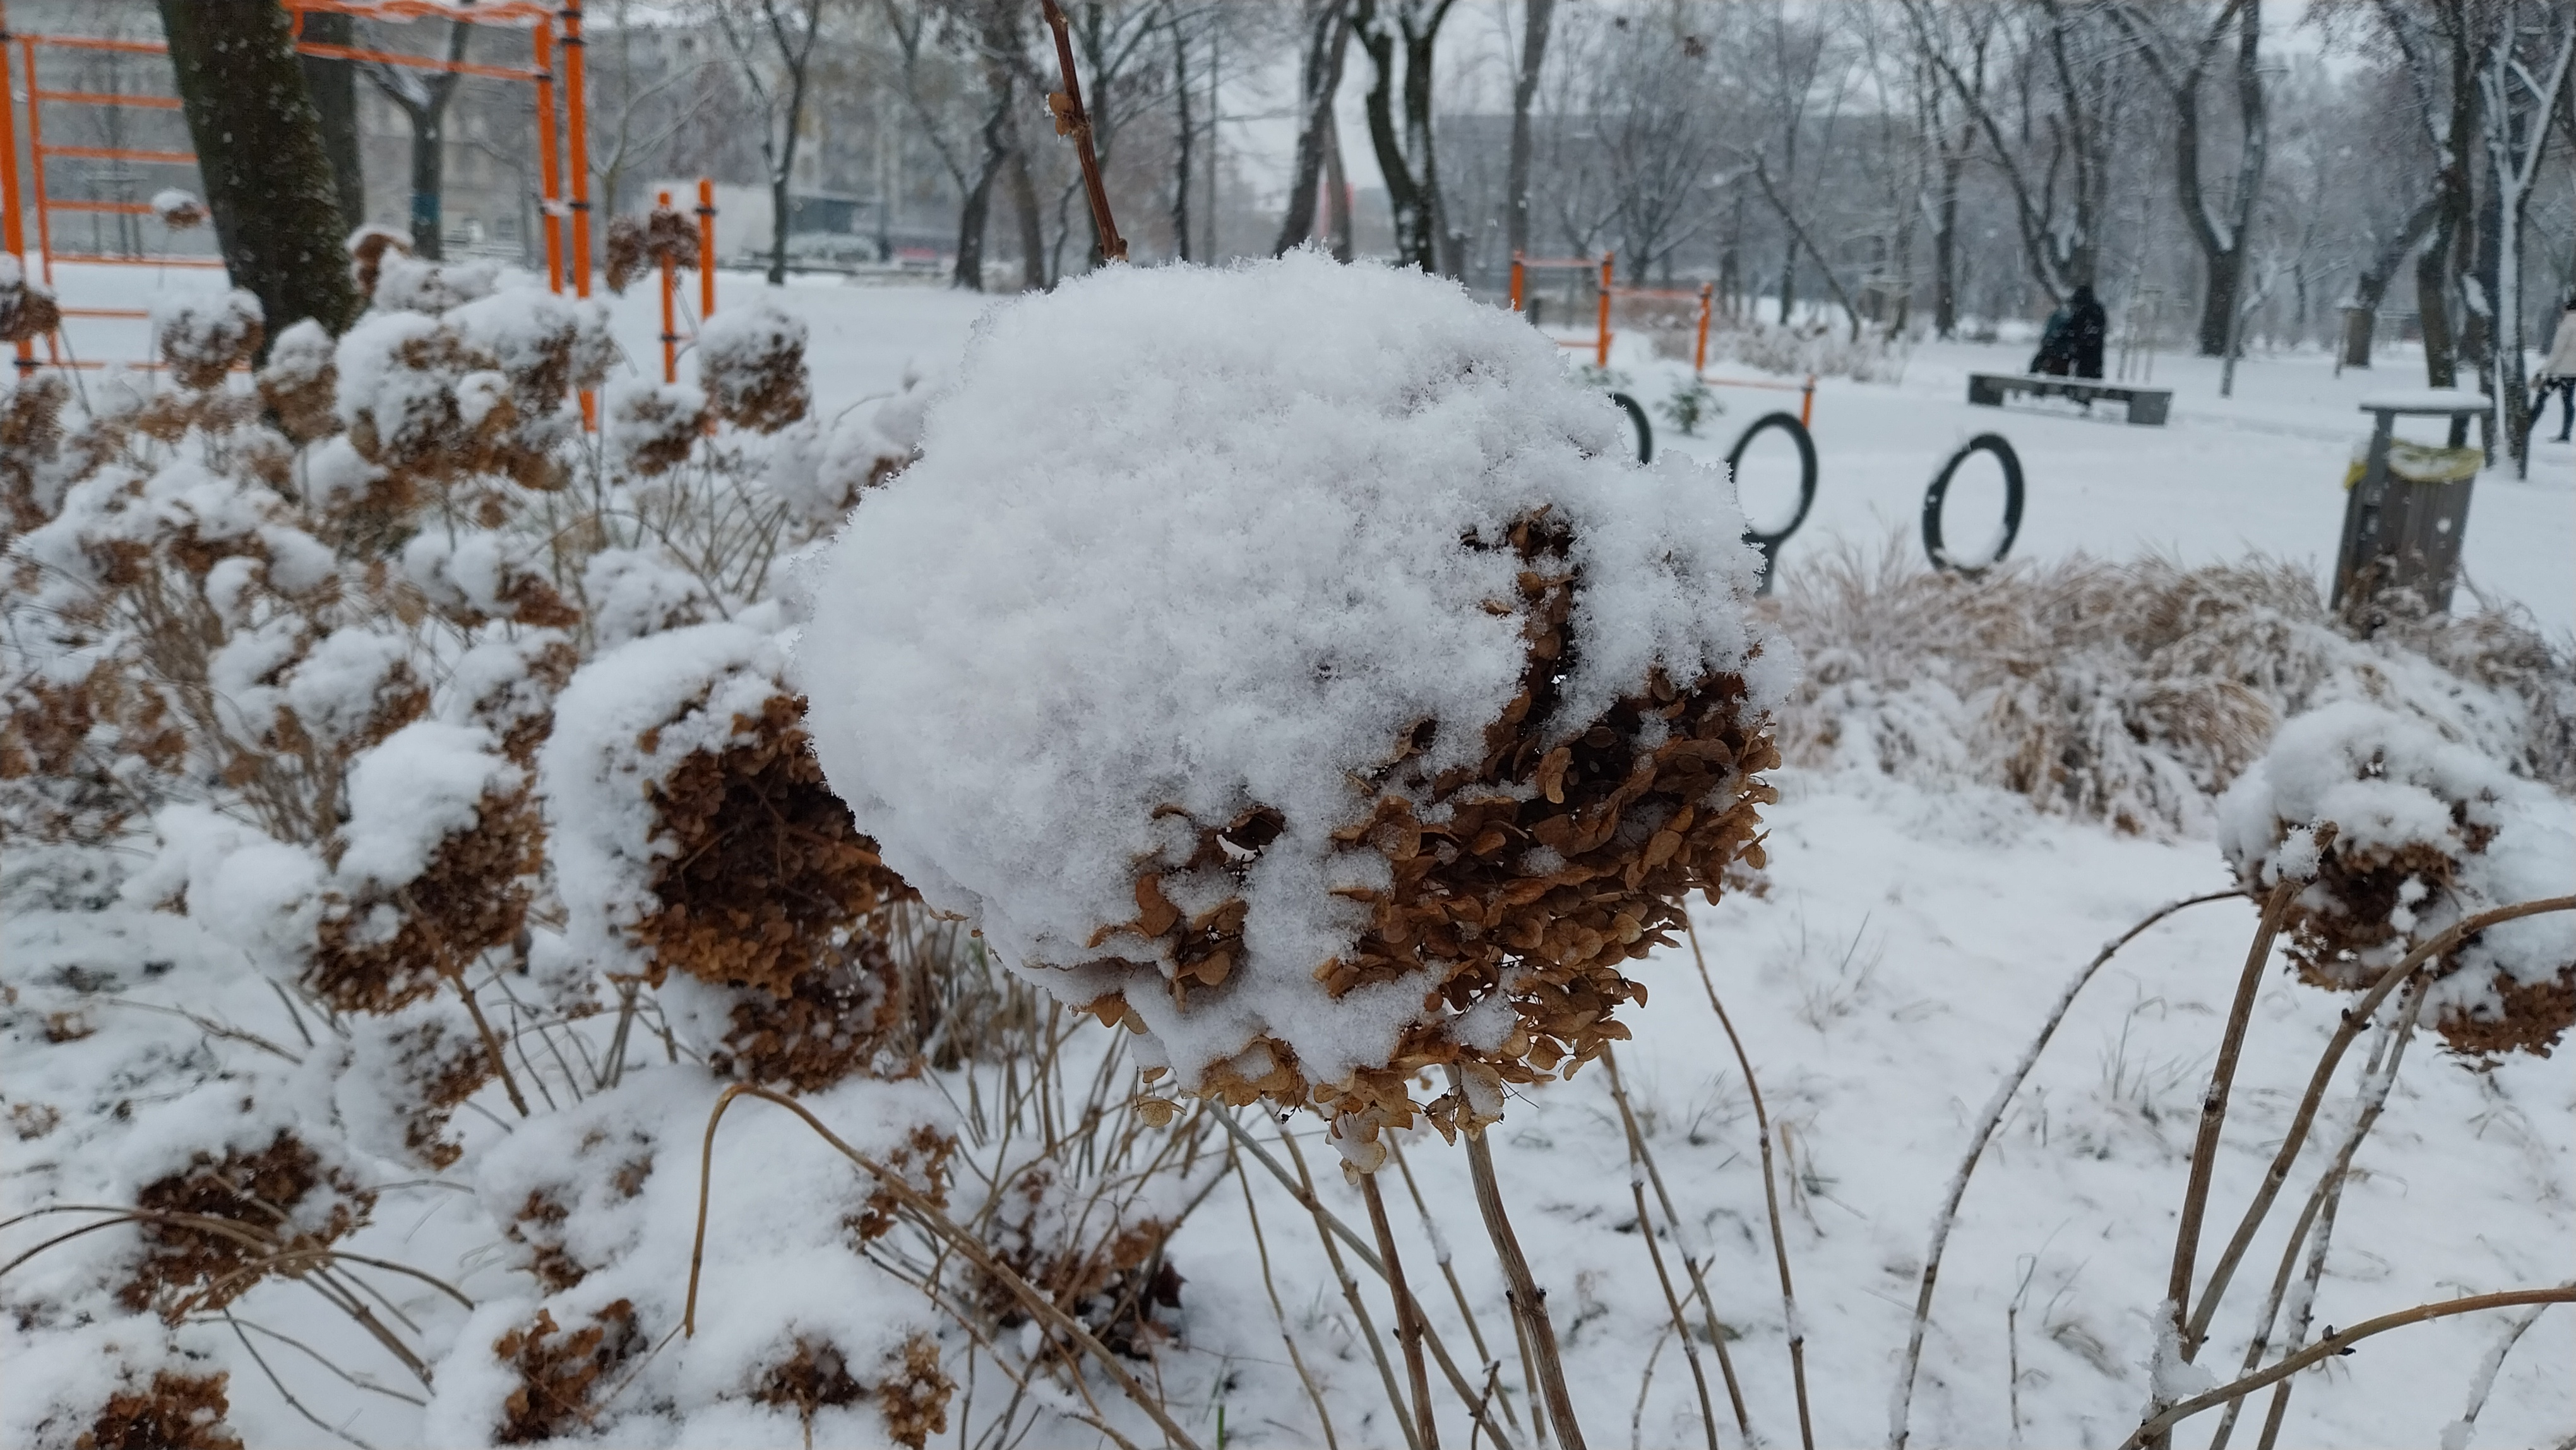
2426, 832
1331, 700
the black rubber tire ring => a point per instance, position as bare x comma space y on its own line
1933, 546
1645, 430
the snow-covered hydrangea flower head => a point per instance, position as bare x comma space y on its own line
2426, 832
1286, 662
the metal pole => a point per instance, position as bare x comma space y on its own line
670, 322
576, 100
1699, 350
706, 249
1601, 357
13, 230
36, 160
1517, 274
549, 155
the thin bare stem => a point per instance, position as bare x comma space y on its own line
1770, 1193
1987, 1122
930, 1216
2354, 1020
1646, 1231
2213, 1107
2337, 1343
1528, 1300
1359, 1306
1360, 1250
1071, 119
2320, 1208
1408, 1314
1323, 1416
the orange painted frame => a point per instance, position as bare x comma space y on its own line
540, 73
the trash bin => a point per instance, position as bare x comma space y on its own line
2405, 509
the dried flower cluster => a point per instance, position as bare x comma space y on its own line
2425, 832
911, 1391
176, 1411
560, 1372
215, 1226
638, 245
751, 362
27, 310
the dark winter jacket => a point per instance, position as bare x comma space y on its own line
2086, 328
2054, 356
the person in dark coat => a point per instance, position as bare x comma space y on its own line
2054, 357
2086, 327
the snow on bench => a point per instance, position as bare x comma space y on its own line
2146, 405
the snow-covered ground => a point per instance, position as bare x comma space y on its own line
1900, 961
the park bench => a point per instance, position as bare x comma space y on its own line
2146, 405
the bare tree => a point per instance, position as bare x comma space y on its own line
2519, 85
1326, 28
2069, 82
422, 98
1652, 99
773, 44
2179, 66
334, 86
2438, 44
1536, 15
1405, 155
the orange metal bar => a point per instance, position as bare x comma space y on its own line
577, 159
1601, 358
414, 62
13, 234
1520, 279
100, 42
36, 160
1807, 404
549, 155
215, 263
1699, 350
122, 208
110, 153
429, 9
670, 323
107, 98
1584, 262
706, 249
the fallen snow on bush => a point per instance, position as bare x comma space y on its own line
1243, 533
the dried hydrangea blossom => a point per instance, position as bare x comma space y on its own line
202, 338
2427, 832
751, 361
693, 833
1302, 677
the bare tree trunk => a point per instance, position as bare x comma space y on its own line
259, 149
334, 84
1328, 42
1537, 14
1024, 207
2370, 285
1337, 200
423, 101
1184, 135
1406, 160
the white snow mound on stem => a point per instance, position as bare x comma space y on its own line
1193, 537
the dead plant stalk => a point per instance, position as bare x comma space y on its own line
1654, 1251
1770, 1193
1987, 1122
1528, 1300
1408, 1314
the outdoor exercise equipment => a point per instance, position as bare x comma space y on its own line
555, 135
1933, 545
1769, 542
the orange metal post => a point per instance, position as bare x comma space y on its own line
706, 249
576, 99
1519, 273
1699, 350
1601, 355
549, 157
577, 159
36, 160
13, 233
670, 323
1807, 404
